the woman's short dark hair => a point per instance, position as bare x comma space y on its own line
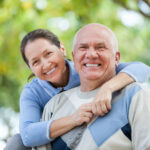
33, 35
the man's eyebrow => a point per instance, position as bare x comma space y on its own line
82, 43
101, 43
98, 43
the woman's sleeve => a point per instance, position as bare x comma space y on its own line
139, 71
33, 132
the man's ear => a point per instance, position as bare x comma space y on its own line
117, 58
62, 48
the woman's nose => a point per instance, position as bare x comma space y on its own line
45, 63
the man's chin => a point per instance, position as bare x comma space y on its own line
92, 77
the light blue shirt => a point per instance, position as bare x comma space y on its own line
38, 92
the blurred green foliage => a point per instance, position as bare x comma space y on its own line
64, 18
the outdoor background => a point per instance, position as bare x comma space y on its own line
129, 19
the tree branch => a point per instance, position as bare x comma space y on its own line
141, 12
124, 5
147, 2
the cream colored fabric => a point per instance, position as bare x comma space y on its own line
139, 118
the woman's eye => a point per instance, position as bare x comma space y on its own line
35, 62
48, 53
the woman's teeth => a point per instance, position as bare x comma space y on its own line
50, 71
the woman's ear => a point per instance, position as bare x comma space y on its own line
63, 49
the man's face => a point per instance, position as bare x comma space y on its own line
94, 55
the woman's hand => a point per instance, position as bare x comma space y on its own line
65, 124
102, 101
83, 114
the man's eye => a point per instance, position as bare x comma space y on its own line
82, 47
48, 53
99, 47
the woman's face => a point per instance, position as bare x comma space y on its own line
46, 60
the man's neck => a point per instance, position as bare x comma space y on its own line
89, 85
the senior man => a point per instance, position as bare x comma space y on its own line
126, 126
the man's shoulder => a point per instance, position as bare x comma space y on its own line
136, 86
130, 91
141, 89
131, 87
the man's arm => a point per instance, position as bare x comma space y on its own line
127, 73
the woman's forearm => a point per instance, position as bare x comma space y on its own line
61, 126
102, 101
118, 82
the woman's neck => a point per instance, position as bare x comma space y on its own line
64, 78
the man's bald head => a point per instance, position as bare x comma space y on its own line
95, 28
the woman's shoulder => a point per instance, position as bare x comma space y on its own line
30, 86
33, 87
39, 88
32, 83
34, 91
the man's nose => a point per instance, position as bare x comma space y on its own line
91, 53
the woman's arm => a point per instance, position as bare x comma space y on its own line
61, 126
33, 132
127, 73
36, 133
139, 71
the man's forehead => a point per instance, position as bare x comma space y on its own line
91, 42
91, 37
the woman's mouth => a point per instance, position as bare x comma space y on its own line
52, 70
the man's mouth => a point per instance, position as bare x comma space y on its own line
50, 71
92, 65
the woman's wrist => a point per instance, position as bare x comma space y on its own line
107, 86
61, 126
